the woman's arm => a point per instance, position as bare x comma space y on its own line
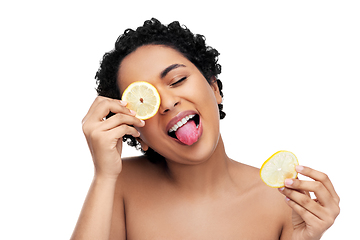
104, 137
95, 218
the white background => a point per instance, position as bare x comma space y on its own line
290, 73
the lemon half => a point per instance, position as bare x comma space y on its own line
280, 166
143, 98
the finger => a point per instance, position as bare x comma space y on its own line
307, 193
120, 131
114, 106
305, 202
304, 192
100, 100
321, 192
119, 119
93, 107
321, 177
307, 216
107, 106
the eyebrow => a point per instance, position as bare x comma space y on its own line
170, 68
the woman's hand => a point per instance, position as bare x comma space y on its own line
311, 217
104, 137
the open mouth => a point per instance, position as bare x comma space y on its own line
182, 122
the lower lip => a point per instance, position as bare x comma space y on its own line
199, 130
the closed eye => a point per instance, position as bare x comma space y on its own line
178, 82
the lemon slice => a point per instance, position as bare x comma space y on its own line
280, 166
143, 98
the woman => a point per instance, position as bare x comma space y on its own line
182, 189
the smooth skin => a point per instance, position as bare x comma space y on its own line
201, 193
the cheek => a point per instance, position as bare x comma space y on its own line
204, 97
200, 92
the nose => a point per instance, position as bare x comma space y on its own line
168, 101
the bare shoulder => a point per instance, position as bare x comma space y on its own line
246, 175
249, 178
268, 199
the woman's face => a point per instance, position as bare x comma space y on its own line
184, 92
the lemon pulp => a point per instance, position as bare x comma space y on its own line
143, 98
280, 166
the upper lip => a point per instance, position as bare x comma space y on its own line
178, 117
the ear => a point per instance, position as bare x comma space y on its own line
215, 87
144, 146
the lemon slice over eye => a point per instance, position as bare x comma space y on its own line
280, 166
143, 98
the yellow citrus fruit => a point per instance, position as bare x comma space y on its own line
280, 166
143, 98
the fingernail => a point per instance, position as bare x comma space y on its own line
288, 182
287, 199
281, 189
299, 168
132, 112
142, 121
123, 103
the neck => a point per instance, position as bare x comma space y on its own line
207, 177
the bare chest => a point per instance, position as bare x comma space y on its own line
166, 217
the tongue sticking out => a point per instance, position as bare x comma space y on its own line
188, 133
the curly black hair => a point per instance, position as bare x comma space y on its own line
178, 37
